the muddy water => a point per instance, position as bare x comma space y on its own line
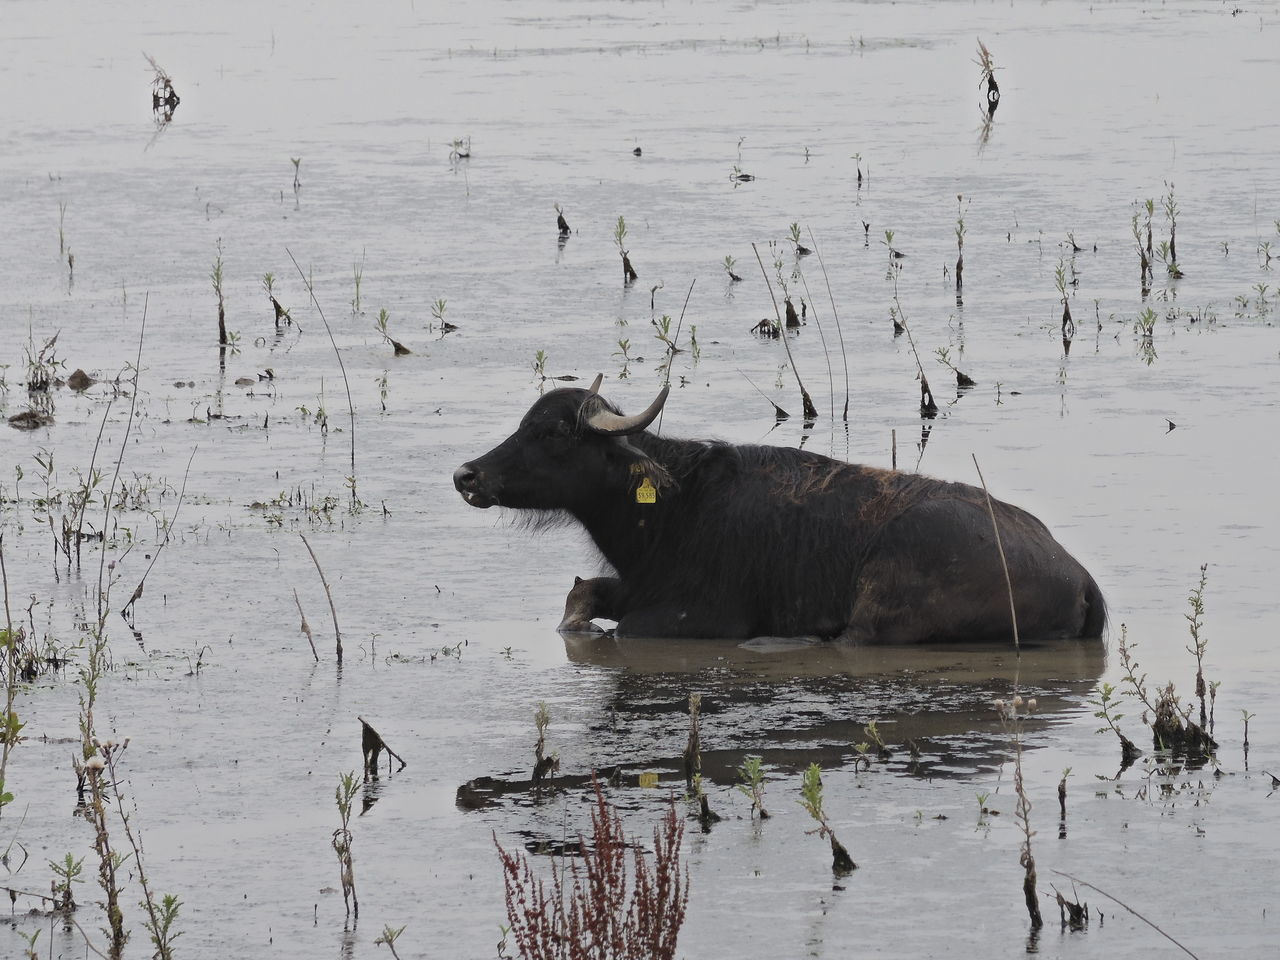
448, 613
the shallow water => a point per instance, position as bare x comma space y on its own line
231, 769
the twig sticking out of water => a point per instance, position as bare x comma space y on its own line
1153, 926
332, 610
372, 745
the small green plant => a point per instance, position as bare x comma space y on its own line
619, 238
729, 263
982, 806
1199, 643
1105, 701
345, 793
1060, 280
397, 348
358, 270
297, 163
624, 347
894, 255
269, 284
1171, 214
662, 328
1144, 326
695, 349
215, 276
544, 765
66, 873
752, 786
811, 800
388, 938
540, 365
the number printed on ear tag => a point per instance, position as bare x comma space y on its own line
646, 493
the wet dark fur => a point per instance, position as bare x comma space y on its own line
753, 540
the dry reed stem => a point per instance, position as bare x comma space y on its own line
1013, 614
332, 610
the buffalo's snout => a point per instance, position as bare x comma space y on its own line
467, 481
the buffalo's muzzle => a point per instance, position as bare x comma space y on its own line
467, 482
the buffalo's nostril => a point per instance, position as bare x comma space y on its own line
464, 478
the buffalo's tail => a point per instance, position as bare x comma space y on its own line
1095, 613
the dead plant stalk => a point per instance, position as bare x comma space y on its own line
337, 634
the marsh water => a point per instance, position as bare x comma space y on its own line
416, 153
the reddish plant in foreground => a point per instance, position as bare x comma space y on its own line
603, 914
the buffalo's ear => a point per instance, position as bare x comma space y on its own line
576, 581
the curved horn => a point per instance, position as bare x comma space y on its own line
595, 384
607, 422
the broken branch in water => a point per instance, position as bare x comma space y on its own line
371, 745
332, 610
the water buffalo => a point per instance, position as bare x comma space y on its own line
712, 539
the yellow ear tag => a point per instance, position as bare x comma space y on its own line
646, 493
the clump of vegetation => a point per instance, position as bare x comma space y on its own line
1172, 726
598, 909
729, 263
960, 232
811, 800
561, 223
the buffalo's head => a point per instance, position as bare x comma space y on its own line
570, 444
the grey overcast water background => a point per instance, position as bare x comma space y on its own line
448, 613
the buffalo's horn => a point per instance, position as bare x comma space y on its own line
595, 384
607, 422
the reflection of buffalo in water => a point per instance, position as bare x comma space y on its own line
798, 702
715, 540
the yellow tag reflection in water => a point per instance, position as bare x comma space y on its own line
648, 779
646, 492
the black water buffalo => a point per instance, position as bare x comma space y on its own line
711, 539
